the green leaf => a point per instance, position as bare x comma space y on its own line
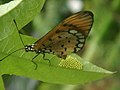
55, 73
73, 70
23, 11
1, 83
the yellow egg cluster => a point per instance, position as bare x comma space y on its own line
71, 62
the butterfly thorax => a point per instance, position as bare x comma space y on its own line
31, 48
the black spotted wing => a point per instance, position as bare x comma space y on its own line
69, 36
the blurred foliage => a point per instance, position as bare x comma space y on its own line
102, 46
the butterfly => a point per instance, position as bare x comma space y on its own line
67, 37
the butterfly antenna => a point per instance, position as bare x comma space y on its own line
19, 33
11, 53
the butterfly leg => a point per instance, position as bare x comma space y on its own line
46, 59
35, 62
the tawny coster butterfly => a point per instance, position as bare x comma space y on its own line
68, 37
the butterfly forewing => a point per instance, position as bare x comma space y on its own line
69, 36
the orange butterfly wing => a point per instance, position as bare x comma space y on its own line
69, 36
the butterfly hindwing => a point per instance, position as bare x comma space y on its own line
69, 36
